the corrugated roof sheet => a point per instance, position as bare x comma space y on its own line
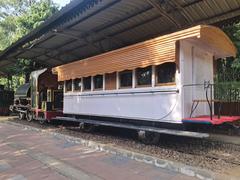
89, 27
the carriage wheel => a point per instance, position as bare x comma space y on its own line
21, 116
87, 127
148, 137
30, 116
42, 121
236, 124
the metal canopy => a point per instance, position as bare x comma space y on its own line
89, 27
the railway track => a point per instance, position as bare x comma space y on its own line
206, 153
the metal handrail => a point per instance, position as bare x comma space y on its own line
126, 93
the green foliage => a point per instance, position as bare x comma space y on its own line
228, 70
35, 16
14, 83
10, 11
233, 31
18, 18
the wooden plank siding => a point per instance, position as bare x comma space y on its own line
152, 52
110, 81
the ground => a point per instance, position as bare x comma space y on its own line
26, 154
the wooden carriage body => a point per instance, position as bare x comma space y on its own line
149, 81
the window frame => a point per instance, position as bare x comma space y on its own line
136, 77
165, 83
84, 78
98, 89
74, 85
66, 89
119, 78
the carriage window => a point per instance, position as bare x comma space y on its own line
77, 84
68, 85
60, 85
125, 78
98, 82
110, 81
144, 76
87, 83
165, 73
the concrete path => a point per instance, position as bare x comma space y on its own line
26, 154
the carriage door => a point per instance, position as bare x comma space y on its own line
202, 70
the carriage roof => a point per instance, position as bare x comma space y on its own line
152, 52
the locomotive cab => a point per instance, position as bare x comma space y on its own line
46, 96
41, 99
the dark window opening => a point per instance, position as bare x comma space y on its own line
68, 85
144, 76
77, 84
165, 73
98, 82
60, 85
87, 83
125, 78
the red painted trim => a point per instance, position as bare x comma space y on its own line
214, 121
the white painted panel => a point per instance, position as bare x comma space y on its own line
196, 67
186, 76
155, 106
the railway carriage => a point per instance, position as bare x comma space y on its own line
154, 86
167, 79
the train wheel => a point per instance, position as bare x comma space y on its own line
87, 127
42, 121
148, 137
21, 116
30, 116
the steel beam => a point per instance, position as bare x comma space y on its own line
182, 10
80, 39
163, 13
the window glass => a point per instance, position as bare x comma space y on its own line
98, 82
165, 73
110, 81
77, 84
87, 83
69, 85
125, 78
144, 76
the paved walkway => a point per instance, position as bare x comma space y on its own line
26, 154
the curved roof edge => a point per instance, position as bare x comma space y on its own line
218, 40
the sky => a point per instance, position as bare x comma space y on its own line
62, 2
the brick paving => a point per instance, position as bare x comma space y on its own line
26, 154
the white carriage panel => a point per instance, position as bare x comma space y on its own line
186, 76
160, 107
196, 67
203, 71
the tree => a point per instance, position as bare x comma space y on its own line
10, 10
229, 69
18, 18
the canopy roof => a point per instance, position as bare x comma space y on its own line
89, 27
152, 52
